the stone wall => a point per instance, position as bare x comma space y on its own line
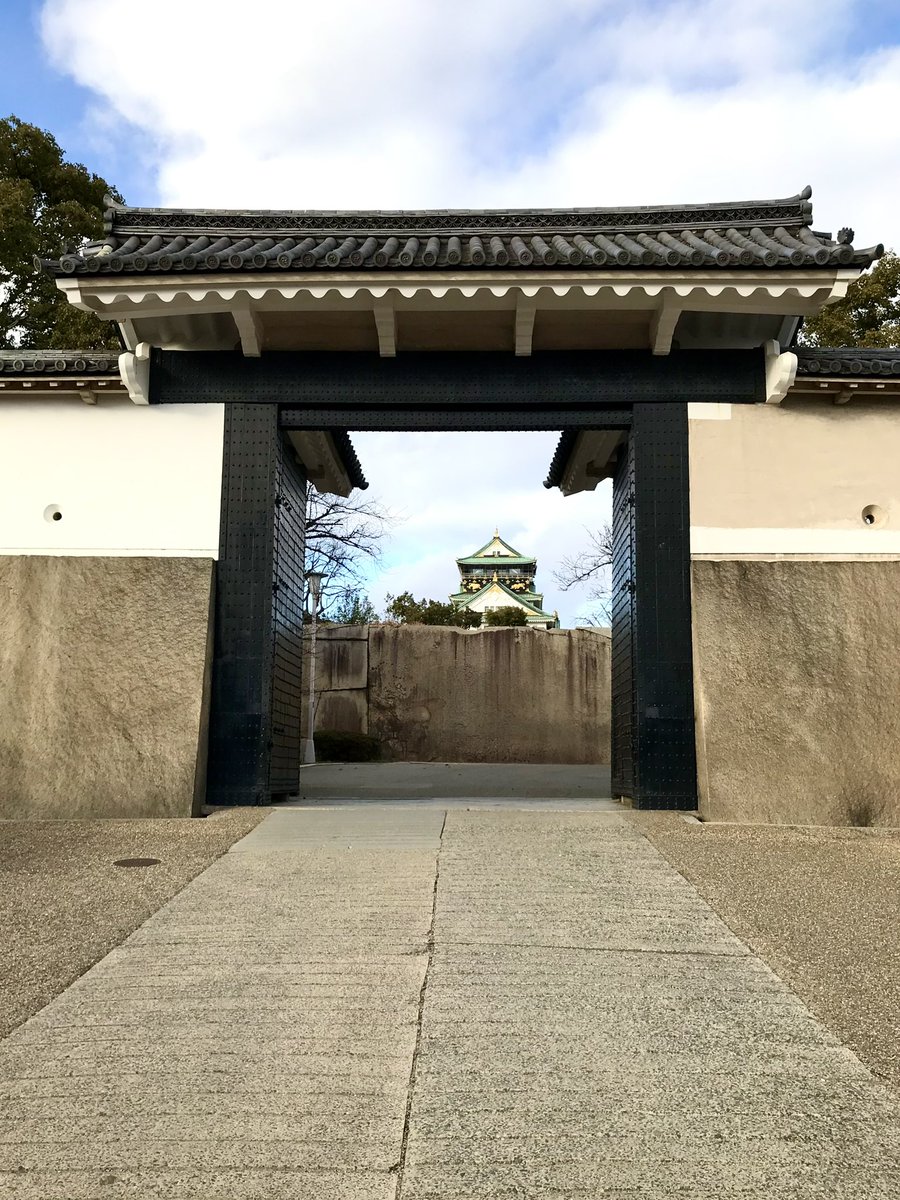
797, 690
440, 694
104, 685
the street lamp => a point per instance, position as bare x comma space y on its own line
315, 581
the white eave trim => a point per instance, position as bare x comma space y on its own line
840, 389
86, 388
125, 294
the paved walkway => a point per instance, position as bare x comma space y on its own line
427, 1004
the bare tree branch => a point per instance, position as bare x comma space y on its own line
590, 565
343, 539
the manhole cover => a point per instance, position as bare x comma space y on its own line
136, 862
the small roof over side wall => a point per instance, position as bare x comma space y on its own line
57, 374
840, 374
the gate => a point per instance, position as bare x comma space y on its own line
254, 741
287, 618
254, 727
622, 622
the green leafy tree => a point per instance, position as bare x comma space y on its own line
46, 205
868, 316
408, 611
354, 608
509, 614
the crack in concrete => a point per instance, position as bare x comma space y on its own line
743, 952
404, 1140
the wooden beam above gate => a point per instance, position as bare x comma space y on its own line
425, 382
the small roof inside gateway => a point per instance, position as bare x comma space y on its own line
749, 234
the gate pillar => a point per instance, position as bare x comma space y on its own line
254, 748
653, 748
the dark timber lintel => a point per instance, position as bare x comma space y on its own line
425, 382
457, 419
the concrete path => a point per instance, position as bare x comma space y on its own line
422, 1004
404, 783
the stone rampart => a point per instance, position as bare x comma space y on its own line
435, 693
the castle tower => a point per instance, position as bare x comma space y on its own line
498, 576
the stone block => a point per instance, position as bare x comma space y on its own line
798, 718
341, 663
345, 711
104, 685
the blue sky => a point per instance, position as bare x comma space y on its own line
510, 102
39, 92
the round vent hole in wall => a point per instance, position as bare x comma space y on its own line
52, 513
873, 514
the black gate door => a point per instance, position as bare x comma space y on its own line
254, 737
654, 598
287, 619
624, 607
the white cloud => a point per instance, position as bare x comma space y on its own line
520, 103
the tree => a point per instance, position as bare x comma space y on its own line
868, 316
509, 614
343, 540
355, 609
591, 567
409, 611
46, 206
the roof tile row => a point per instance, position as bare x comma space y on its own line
58, 362
844, 361
771, 234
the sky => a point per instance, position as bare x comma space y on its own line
485, 103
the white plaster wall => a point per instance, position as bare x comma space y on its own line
794, 479
128, 479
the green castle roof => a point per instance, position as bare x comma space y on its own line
511, 558
532, 600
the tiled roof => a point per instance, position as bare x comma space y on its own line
58, 362
769, 233
480, 558
561, 456
349, 458
844, 361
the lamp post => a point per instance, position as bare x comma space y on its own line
314, 581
